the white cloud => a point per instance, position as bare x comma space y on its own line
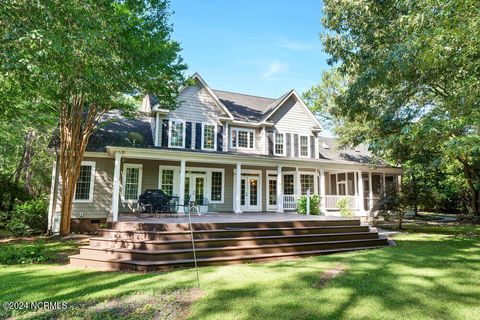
274, 68
296, 46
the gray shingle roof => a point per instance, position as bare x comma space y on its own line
114, 130
244, 107
329, 150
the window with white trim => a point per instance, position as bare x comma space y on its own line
307, 182
209, 136
304, 146
279, 141
242, 138
85, 181
176, 134
132, 182
216, 186
167, 181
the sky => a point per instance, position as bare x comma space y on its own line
260, 47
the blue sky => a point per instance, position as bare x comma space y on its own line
261, 47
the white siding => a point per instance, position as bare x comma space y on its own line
292, 117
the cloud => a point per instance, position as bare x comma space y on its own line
296, 46
274, 68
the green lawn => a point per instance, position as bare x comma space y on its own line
427, 276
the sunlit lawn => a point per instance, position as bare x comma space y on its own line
427, 276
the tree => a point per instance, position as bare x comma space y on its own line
413, 73
81, 59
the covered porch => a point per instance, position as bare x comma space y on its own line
243, 184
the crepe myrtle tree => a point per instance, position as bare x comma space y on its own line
82, 58
409, 82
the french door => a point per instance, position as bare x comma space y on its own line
195, 185
250, 193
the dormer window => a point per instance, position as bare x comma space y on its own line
209, 137
176, 134
304, 146
242, 138
279, 140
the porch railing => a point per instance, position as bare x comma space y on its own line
290, 201
331, 202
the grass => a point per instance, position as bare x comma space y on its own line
426, 276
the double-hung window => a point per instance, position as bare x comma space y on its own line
176, 134
279, 141
242, 138
216, 187
209, 136
132, 182
304, 146
307, 182
85, 181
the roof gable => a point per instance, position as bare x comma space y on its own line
281, 102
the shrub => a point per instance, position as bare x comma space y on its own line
22, 253
344, 206
29, 217
314, 204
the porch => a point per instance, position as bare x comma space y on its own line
262, 187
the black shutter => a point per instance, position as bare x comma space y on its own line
270, 143
312, 147
188, 135
198, 136
220, 138
289, 144
165, 133
295, 145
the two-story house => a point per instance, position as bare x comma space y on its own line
242, 153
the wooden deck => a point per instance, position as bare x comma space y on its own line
147, 244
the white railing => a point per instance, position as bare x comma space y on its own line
331, 202
290, 201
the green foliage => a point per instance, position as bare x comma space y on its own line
406, 81
29, 217
36, 252
344, 206
11, 193
136, 139
314, 204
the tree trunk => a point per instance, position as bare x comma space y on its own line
473, 180
23, 167
75, 130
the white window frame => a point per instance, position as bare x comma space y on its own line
237, 129
92, 183
300, 146
170, 121
209, 187
214, 125
208, 180
275, 144
124, 180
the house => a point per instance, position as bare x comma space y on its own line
242, 153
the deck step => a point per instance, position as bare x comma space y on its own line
227, 232
99, 242
178, 254
140, 265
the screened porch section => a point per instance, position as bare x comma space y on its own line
362, 193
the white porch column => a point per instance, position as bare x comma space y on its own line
298, 185
279, 190
323, 192
361, 206
116, 186
181, 187
384, 186
370, 192
238, 179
